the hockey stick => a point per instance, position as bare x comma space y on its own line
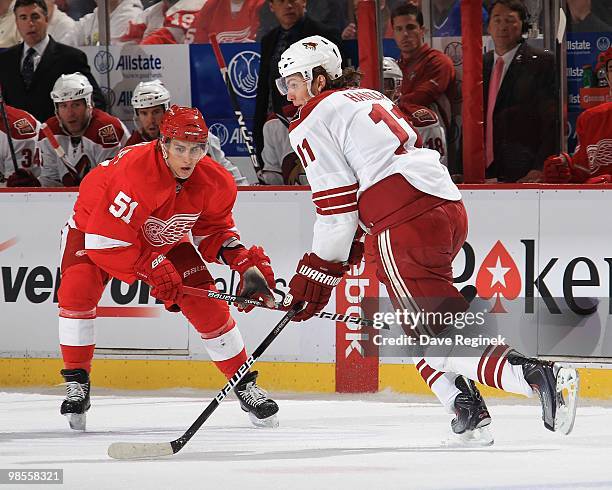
246, 135
59, 151
8, 131
139, 450
336, 317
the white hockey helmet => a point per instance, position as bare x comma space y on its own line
393, 73
150, 94
304, 55
74, 86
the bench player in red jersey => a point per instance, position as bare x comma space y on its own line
131, 221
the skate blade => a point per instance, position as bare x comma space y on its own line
77, 421
268, 423
472, 438
568, 382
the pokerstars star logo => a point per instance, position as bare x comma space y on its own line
498, 276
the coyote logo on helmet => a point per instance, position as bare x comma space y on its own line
310, 45
24, 127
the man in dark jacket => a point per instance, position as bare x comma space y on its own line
30, 68
293, 26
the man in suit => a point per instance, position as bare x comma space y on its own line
521, 117
30, 68
293, 26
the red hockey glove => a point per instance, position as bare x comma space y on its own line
256, 275
557, 169
313, 282
22, 178
357, 248
159, 273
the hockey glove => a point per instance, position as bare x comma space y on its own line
22, 178
313, 282
557, 169
256, 275
159, 273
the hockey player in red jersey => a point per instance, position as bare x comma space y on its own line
364, 165
24, 130
131, 221
592, 161
423, 119
86, 135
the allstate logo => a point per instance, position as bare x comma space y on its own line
603, 43
104, 62
454, 51
109, 95
243, 70
220, 131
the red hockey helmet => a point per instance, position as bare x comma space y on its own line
184, 123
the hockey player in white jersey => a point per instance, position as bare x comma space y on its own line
150, 101
24, 135
79, 136
365, 169
423, 119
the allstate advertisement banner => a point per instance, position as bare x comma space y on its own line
210, 95
539, 260
118, 69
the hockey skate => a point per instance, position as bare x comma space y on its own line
557, 388
472, 417
76, 404
261, 409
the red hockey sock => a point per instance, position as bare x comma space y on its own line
78, 356
230, 366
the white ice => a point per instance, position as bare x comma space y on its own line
377, 442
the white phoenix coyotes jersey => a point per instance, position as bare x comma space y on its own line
24, 133
102, 140
427, 124
348, 140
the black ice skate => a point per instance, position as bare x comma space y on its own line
262, 410
557, 388
76, 404
471, 416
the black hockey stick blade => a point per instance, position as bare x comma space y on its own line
145, 450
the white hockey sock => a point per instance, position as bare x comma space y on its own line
441, 384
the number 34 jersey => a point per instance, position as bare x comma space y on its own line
348, 140
132, 205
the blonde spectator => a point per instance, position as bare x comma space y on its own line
9, 36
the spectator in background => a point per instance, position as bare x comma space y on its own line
24, 135
88, 136
76, 8
519, 98
332, 13
61, 25
165, 22
150, 101
29, 70
429, 75
9, 36
582, 19
234, 21
350, 31
294, 25
86, 32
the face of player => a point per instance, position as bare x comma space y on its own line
408, 34
390, 90
31, 23
505, 27
183, 156
149, 119
297, 89
74, 116
288, 12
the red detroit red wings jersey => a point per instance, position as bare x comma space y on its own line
216, 16
133, 205
24, 133
593, 155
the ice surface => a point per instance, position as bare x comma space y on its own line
332, 442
